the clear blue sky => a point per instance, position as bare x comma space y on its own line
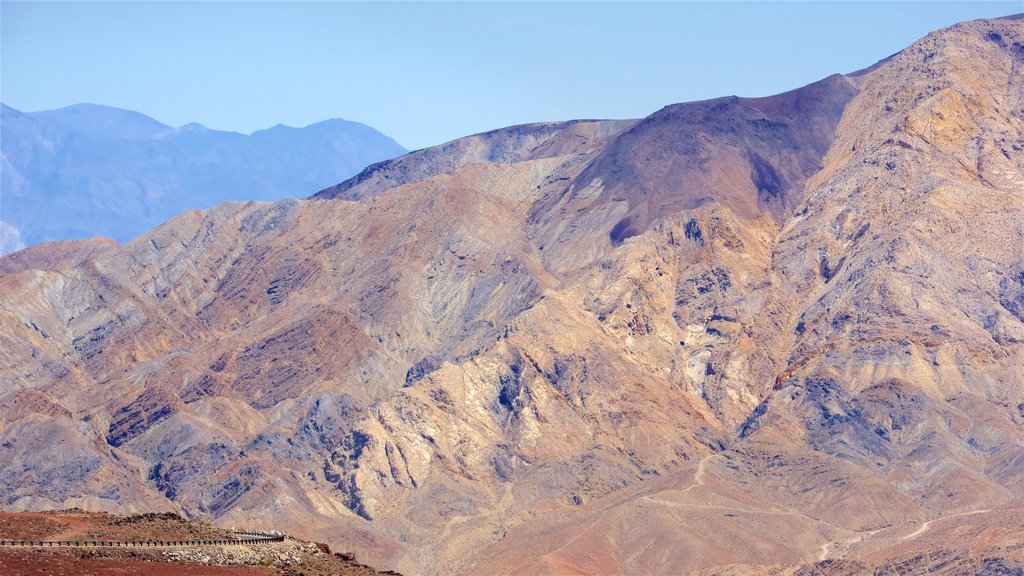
425, 73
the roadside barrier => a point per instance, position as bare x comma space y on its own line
243, 538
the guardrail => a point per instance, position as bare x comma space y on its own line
244, 538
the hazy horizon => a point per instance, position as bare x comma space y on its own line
426, 73
174, 127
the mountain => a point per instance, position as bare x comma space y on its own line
94, 121
748, 335
89, 170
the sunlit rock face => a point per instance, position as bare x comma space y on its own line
750, 335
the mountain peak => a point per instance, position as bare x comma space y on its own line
100, 121
193, 127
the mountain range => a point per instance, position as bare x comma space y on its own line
89, 170
779, 335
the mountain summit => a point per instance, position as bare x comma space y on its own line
747, 335
89, 170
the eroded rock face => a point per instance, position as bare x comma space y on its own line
747, 333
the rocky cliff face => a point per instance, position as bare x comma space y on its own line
746, 334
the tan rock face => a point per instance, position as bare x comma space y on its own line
746, 334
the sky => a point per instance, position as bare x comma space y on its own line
424, 72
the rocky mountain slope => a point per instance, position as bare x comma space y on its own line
88, 170
765, 335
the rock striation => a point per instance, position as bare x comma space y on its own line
770, 335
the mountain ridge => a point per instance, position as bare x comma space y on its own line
465, 359
129, 172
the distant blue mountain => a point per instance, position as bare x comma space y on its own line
89, 170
